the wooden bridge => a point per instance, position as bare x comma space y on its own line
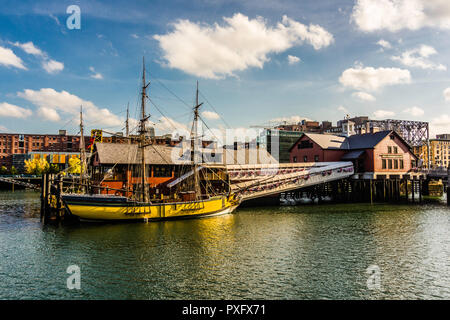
253, 181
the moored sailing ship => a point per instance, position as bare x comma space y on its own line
186, 195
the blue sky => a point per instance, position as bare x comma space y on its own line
256, 61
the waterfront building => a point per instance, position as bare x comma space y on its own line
15, 144
15, 148
380, 154
439, 152
60, 159
116, 165
278, 142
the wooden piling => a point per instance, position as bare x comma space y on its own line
406, 190
420, 190
43, 188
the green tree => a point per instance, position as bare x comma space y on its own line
36, 166
3, 170
13, 171
74, 165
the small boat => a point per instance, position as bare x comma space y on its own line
287, 201
303, 200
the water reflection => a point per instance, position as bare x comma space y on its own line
308, 252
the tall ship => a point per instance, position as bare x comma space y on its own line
149, 182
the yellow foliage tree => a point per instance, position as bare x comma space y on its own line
36, 166
74, 165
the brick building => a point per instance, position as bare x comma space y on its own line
439, 152
12, 144
383, 153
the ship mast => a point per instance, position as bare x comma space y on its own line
195, 145
82, 149
142, 132
127, 124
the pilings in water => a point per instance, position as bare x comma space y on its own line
52, 208
394, 190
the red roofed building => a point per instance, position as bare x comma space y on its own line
383, 153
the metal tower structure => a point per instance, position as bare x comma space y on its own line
416, 133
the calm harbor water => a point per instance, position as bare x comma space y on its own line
302, 252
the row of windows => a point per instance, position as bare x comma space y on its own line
392, 164
305, 158
392, 149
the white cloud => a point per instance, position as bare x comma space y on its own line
30, 48
342, 109
9, 59
414, 111
52, 66
293, 59
168, 125
385, 44
394, 15
217, 51
210, 115
380, 114
95, 75
4, 129
446, 94
371, 79
10, 110
417, 58
289, 120
363, 96
70, 104
440, 124
49, 114
135, 36
49, 65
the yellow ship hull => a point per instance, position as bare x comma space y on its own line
119, 208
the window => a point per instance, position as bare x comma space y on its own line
162, 171
306, 144
401, 164
389, 149
383, 164
305, 159
316, 158
295, 159
395, 150
395, 164
390, 164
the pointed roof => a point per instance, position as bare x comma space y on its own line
357, 141
366, 140
325, 141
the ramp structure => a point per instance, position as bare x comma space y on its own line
20, 183
253, 181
